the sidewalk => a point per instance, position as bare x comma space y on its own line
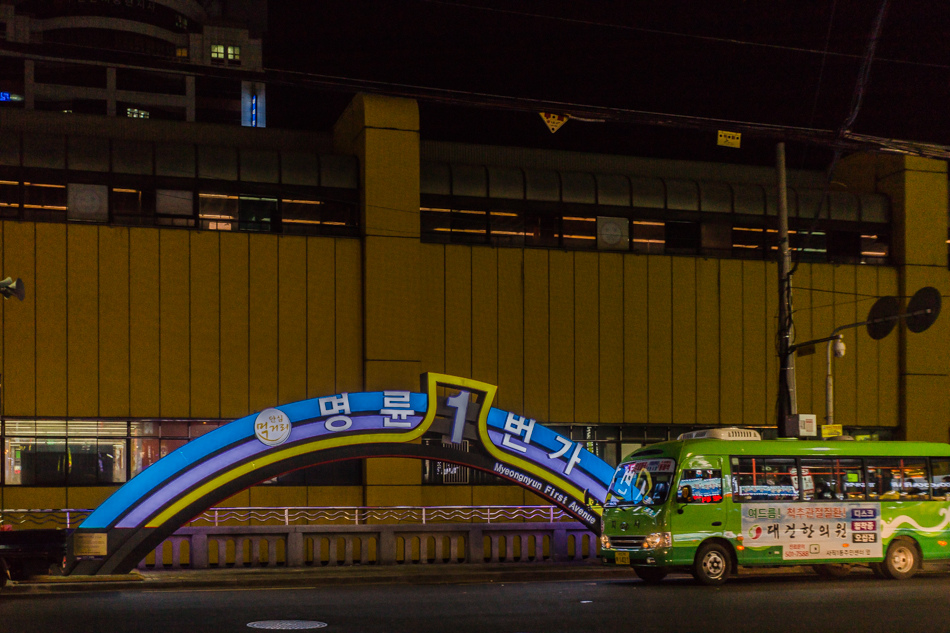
371, 574
321, 576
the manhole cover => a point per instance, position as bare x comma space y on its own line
286, 625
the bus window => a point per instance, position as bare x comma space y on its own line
915, 482
832, 479
700, 486
898, 479
818, 480
940, 473
645, 481
849, 475
884, 479
764, 479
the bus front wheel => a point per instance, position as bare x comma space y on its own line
712, 564
902, 560
650, 574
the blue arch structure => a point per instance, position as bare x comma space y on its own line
211, 468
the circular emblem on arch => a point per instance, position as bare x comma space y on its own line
272, 427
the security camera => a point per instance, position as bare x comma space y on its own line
838, 348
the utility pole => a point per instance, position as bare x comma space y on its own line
787, 399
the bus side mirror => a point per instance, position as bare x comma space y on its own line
684, 495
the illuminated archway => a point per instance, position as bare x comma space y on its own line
211, 468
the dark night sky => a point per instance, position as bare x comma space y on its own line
747, 60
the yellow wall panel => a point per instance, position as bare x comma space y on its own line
175, 380
866, 351
447, 495
82, 243
771, 332
51, 321
561, 290
393, 495
334, 496
22, 497
205, 302
391, 299
919, 357
889, 368
586, 337
234, 339
485, 314
19, 321
755, 346
510, 330
279, 496
292, 318
114, 316
611, 338
349, 311
321, 317
262, 322
537, 344
87, 497
458, 310
392, 471
635, 339
432, 347
845, 369
823, 299
802, 315
660, 334
708, 341
144, 322
684, 340
497, 495
730, 335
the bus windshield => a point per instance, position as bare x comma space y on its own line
642, 481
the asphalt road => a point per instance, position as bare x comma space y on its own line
797, 604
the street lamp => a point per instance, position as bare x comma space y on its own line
10, 288
922, 310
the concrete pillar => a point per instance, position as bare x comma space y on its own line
917, 188
383, 132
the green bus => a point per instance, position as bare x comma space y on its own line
714, 500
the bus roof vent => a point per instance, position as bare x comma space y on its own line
728, 433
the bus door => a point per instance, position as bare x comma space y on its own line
700, 511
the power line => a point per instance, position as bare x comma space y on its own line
703, 38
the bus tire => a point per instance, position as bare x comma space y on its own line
902, 560
712, 564
832, 570
650, 574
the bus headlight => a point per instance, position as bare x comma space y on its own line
658, 539
605, 541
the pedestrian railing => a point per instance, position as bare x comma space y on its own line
294, 546
70, 518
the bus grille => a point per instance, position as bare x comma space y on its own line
627, 542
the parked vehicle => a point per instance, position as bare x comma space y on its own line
25, 553
714, 500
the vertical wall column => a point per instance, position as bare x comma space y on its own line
917, 188
383, 132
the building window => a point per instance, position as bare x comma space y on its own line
181, 22
135, 113
234, 54
217, 53
181, 52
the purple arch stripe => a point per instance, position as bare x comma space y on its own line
225, 461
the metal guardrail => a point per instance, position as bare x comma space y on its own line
356, 515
